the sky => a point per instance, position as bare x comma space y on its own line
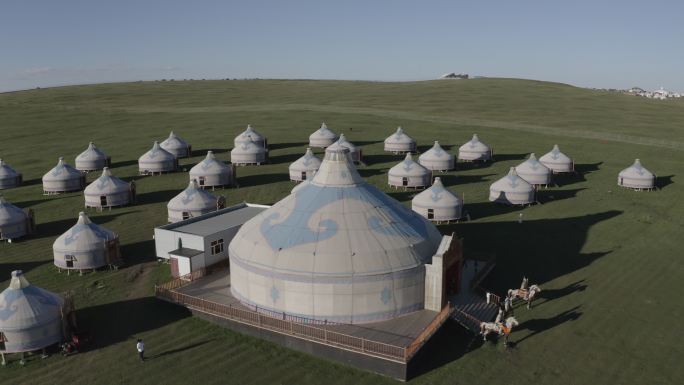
598, 43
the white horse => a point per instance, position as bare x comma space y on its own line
525, 294
500, 328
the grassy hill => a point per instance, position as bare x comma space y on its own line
608, 259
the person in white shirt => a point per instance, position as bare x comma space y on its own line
141, 349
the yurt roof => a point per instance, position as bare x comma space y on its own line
106, 184
437, 196
156, 154
337, 225
307, 162
512, 182
248, 148
532, 166
249, 135
209, 166
9, 213
83, 236
91, 153
474, 145
342, 140
174, 141
24, 306
61, 172
555, 156
436, 153
323, 132
399, 137
6, 171
408, 167
192, 198
636, 171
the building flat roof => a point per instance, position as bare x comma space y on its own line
219, 220
185, 252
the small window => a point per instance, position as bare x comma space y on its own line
103, 201
303, 175
404, 181
69, 259
201, 181
186, 215
217, 247
431, 214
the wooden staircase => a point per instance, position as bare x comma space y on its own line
469, 310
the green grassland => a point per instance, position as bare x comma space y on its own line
609, 259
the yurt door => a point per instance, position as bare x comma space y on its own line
201, 181
103, 200
303, 175
404, 181
174, 267
431, 214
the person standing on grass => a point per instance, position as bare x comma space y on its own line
141, 349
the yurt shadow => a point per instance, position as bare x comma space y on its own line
261, 179
116, 322
280, 146
55, 228
361, 142
455, 180
581, 170
138, 252
381, 158
479, 210
31, 182
203, 151
27, 204
124, 163
540, 325
156, 196
548, 196
505, 157
403, 196
285, 158
7, 268
663, 181
369, 172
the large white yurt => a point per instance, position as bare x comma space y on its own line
512, 190
247, 153
86, 246
92, 159
436, 159
409, 173
336, 249
636, 177
556, 161
9, 177
305, 167
474, 150
323, 137
63, 178
14, 222
193, 202
176, 146
438, 204
157, 161
355, 153
31, 318
108, 191
211, 172
400, 142
534, 172
251, 135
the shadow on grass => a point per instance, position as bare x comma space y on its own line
285, 158
581, 171
138, 252
32, 182
280, 146
55, 228
551, 294
547, 196
488, 209
7, 268
505, 157
203, 151
123, 163
156, 196
180, 349
404, 196
369, 172
540, 325
382, 158
261, 179
663, 181
26, 204
453, 180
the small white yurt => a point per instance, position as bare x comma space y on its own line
176, 146
31, 318
438, 204
108, 191
247, 153
512, 190
92, 159
534, 172
251, 135
9, 177
86, 246
636, 177
14, 222
400, 142
475, 150
63, 178
409, 173
355, 152
436, 159
211, 172
157, 161
323, 137
193, 202
556, 161
305, 167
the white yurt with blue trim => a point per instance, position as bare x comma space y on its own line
557, 161
9, 177
212, 172
157, 161
636, 177
176, 146
14, 222
86, 246
355, 152
437, 159
336, 248
400, 142
108, 191
409, 173
31, 318
305, 167
475, 150
534, 171
251, 135
63, 178
323, 137
193, 202
248, 153
92, 159
438, 204
512, 190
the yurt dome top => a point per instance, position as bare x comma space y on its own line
342, 140
9, 213
409, 168
323, 133
61, 172
249, 135
555, 156
636, 171
399, 137
248, 148
437, 196
532, 166
174, 142
92, 153
84, 236
106, 184
436, 153
512, 183
336, 225
157, 154
475, 145
6, 171
308, 161
209, 166
192, 198
24, 306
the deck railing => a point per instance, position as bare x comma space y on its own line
425, 335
